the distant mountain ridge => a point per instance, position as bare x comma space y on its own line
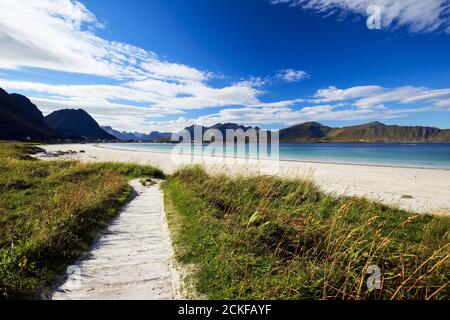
307, 130
221, 127
369, 132
20, 119
157, 136
137, 136
76, 124
120, 135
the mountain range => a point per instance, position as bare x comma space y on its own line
221, 127
20, 119
370, 132
137, 136
76, 125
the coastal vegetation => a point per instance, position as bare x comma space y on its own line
50, 212
263, 237
240, 237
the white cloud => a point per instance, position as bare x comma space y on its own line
332, 103
443, 105
284, 75
60, 35
266, 117
417, 15
156, 96
355, 103
334, 94
369, 97
429, 95
254, 82
51, 35
291, 75
173, 71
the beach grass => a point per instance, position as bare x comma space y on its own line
262, 237
50, 212
252, 237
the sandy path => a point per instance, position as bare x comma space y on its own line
429, 188
132, 259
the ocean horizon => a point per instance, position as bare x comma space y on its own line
427, 155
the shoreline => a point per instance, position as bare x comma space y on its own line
294, 160
423, 190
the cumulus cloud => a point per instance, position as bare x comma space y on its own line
417, 15
355, 103
146, 105
56, 35
145, 89
365, 97
283, 75
61, 35
286, 116
291, 75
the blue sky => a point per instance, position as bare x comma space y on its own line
158, 64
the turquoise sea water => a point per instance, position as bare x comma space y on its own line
398, 154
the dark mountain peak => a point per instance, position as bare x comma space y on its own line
379, 132
222, 127
18, 98
22, 105
138, 136
228, 125
75, 124
156, 135
3, 93
65, 116
305, 131
311, 124
374, 124
195, 126
159, 132
74, 113
21, 119
192, 128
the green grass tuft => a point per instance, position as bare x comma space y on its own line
270, 238
50, 213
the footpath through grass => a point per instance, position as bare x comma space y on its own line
271, 238
50, 213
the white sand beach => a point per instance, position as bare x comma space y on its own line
418, 189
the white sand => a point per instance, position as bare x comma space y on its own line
132, 259
429, 188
